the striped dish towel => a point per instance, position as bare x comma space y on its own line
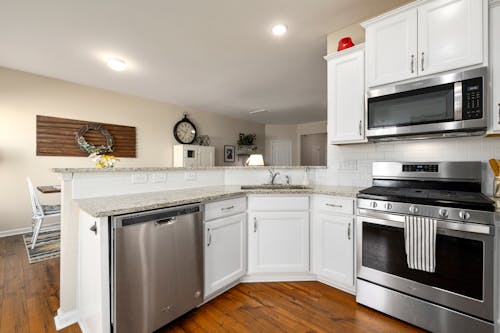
420, 243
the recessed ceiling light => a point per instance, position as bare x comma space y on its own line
257, 111
280, 29
117, 64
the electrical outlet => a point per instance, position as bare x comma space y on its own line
347, 165
160, 177
190, 175
140, 178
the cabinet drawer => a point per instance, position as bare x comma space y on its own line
278, 203
339, 205
215, 210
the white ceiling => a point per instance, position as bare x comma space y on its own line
212, 55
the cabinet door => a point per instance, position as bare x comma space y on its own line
206, 157
225, 246
279, 242
334, 248
191, 157
346, 98
495, 67
391, 49
450, 35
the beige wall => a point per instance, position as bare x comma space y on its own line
309, 143
23, 96
355, 31
281, 132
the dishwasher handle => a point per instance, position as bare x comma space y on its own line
168, 221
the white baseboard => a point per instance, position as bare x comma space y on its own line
21, 231
328, 282
64, 319
279, 277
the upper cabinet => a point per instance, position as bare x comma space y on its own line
346, 120
424, 38
391, 49
495, 67
450, 35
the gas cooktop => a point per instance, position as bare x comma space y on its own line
432, 197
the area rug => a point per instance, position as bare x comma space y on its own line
47, 245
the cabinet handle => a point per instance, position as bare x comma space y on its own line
227, 208
94, 228
499, 113
334, 205
360, 127
423, 60
209, 237
412, 63
254, 224
349, 231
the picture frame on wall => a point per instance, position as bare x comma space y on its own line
229, 153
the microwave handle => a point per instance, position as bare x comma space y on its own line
458, 101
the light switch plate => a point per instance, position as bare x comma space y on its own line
190, 175
140, 178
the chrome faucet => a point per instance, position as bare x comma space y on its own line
273, 175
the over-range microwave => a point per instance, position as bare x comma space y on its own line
448, 105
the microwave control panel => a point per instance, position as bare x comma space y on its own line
472, 99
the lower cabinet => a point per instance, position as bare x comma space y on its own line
278, 242
333, 247
225, 252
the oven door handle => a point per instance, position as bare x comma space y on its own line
395, 220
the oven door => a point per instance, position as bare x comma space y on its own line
463, 279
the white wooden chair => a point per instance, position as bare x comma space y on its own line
39, 212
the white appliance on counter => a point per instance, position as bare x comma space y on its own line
193, 156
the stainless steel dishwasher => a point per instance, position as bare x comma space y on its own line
157, 267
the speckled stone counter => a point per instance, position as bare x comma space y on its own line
165, 169
132, 203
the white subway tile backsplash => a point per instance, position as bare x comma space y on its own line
450, 149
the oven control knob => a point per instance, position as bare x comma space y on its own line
373, 204
388, 206
443, 213
413, 209
464, 215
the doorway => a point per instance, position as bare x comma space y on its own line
313, 149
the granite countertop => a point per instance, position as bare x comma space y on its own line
165, 169
132, 203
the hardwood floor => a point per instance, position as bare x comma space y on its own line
29, 293
286, 307
29, 299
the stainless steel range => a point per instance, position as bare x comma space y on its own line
459, 295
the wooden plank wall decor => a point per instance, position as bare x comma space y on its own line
56, 137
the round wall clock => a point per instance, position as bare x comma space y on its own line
185, 131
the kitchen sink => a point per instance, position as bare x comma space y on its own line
275, 187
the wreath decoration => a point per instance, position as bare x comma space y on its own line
90, 148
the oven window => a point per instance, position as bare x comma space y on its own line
459, 261
416, 107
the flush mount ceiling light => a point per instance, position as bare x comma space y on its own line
257, 111
280, 29
117, 64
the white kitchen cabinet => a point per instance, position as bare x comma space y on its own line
391, 49
346, 99
423, 38
278, 242
93, 296
225, 253
450, 35
333, 241
335, 248
494, 67
193, 156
